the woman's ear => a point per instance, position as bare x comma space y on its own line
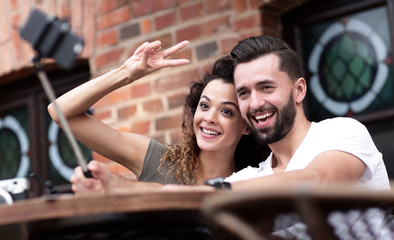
300, 90
246, 131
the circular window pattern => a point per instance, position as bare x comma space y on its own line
14, 148
348, 67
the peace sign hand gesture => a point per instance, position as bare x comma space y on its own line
148, 58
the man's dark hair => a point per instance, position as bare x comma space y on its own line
254, 47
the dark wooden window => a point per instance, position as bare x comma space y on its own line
346, 48
29, 139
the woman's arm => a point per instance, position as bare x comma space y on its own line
127, 149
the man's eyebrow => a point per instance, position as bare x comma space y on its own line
239, 89
262, 82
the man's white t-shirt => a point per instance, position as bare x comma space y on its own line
336, 134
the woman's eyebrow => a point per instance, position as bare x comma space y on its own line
230, 103
223, 103
206, 97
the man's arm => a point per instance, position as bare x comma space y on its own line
328, 167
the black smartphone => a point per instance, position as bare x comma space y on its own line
52, 38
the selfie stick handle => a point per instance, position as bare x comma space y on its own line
67, 130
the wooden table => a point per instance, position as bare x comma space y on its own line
250, 215
123, 216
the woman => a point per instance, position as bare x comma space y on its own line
212, 125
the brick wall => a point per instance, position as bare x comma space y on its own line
113, 29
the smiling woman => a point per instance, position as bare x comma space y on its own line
213, 140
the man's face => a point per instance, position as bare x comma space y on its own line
265, 98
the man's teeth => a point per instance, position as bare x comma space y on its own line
264, 116
209, 132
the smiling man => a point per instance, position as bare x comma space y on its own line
270, 91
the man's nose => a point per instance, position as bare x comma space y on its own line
257, 100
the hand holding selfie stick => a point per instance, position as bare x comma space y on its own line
52, 38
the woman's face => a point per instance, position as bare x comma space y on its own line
218, 124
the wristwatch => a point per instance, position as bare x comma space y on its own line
218, 183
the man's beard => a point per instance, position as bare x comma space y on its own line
284, 123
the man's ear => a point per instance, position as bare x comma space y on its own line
300, 90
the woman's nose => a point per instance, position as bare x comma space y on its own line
211, 116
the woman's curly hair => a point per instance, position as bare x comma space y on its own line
182, 159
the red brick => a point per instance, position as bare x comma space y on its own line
113, 18
146, 26
65, 9
76, 16
13, 4
89, 29
169, 122
176, 81
165, 20
116, 96
176, 100
165, 39
152, 106
150, 6
189, 33
247, 22
102, 115
106, 5
140, 90
240, 5
17, 43
213, 6
126, 112
184, 53
228, 44
107, 38
141, 127
176, 137
215, 25
109, 57
256, 3
185, 1
191, 11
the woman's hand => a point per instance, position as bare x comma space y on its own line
148, 58
101, 182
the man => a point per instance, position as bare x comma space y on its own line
270, 90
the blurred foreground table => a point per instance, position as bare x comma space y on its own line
146, 215
335, 211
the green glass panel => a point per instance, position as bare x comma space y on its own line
62, 160
351, 65
14, 144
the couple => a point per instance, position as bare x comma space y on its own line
261, 83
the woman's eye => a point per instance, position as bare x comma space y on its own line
204, 106
227, 112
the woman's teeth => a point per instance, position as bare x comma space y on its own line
209, 132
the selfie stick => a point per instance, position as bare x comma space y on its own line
67, 130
